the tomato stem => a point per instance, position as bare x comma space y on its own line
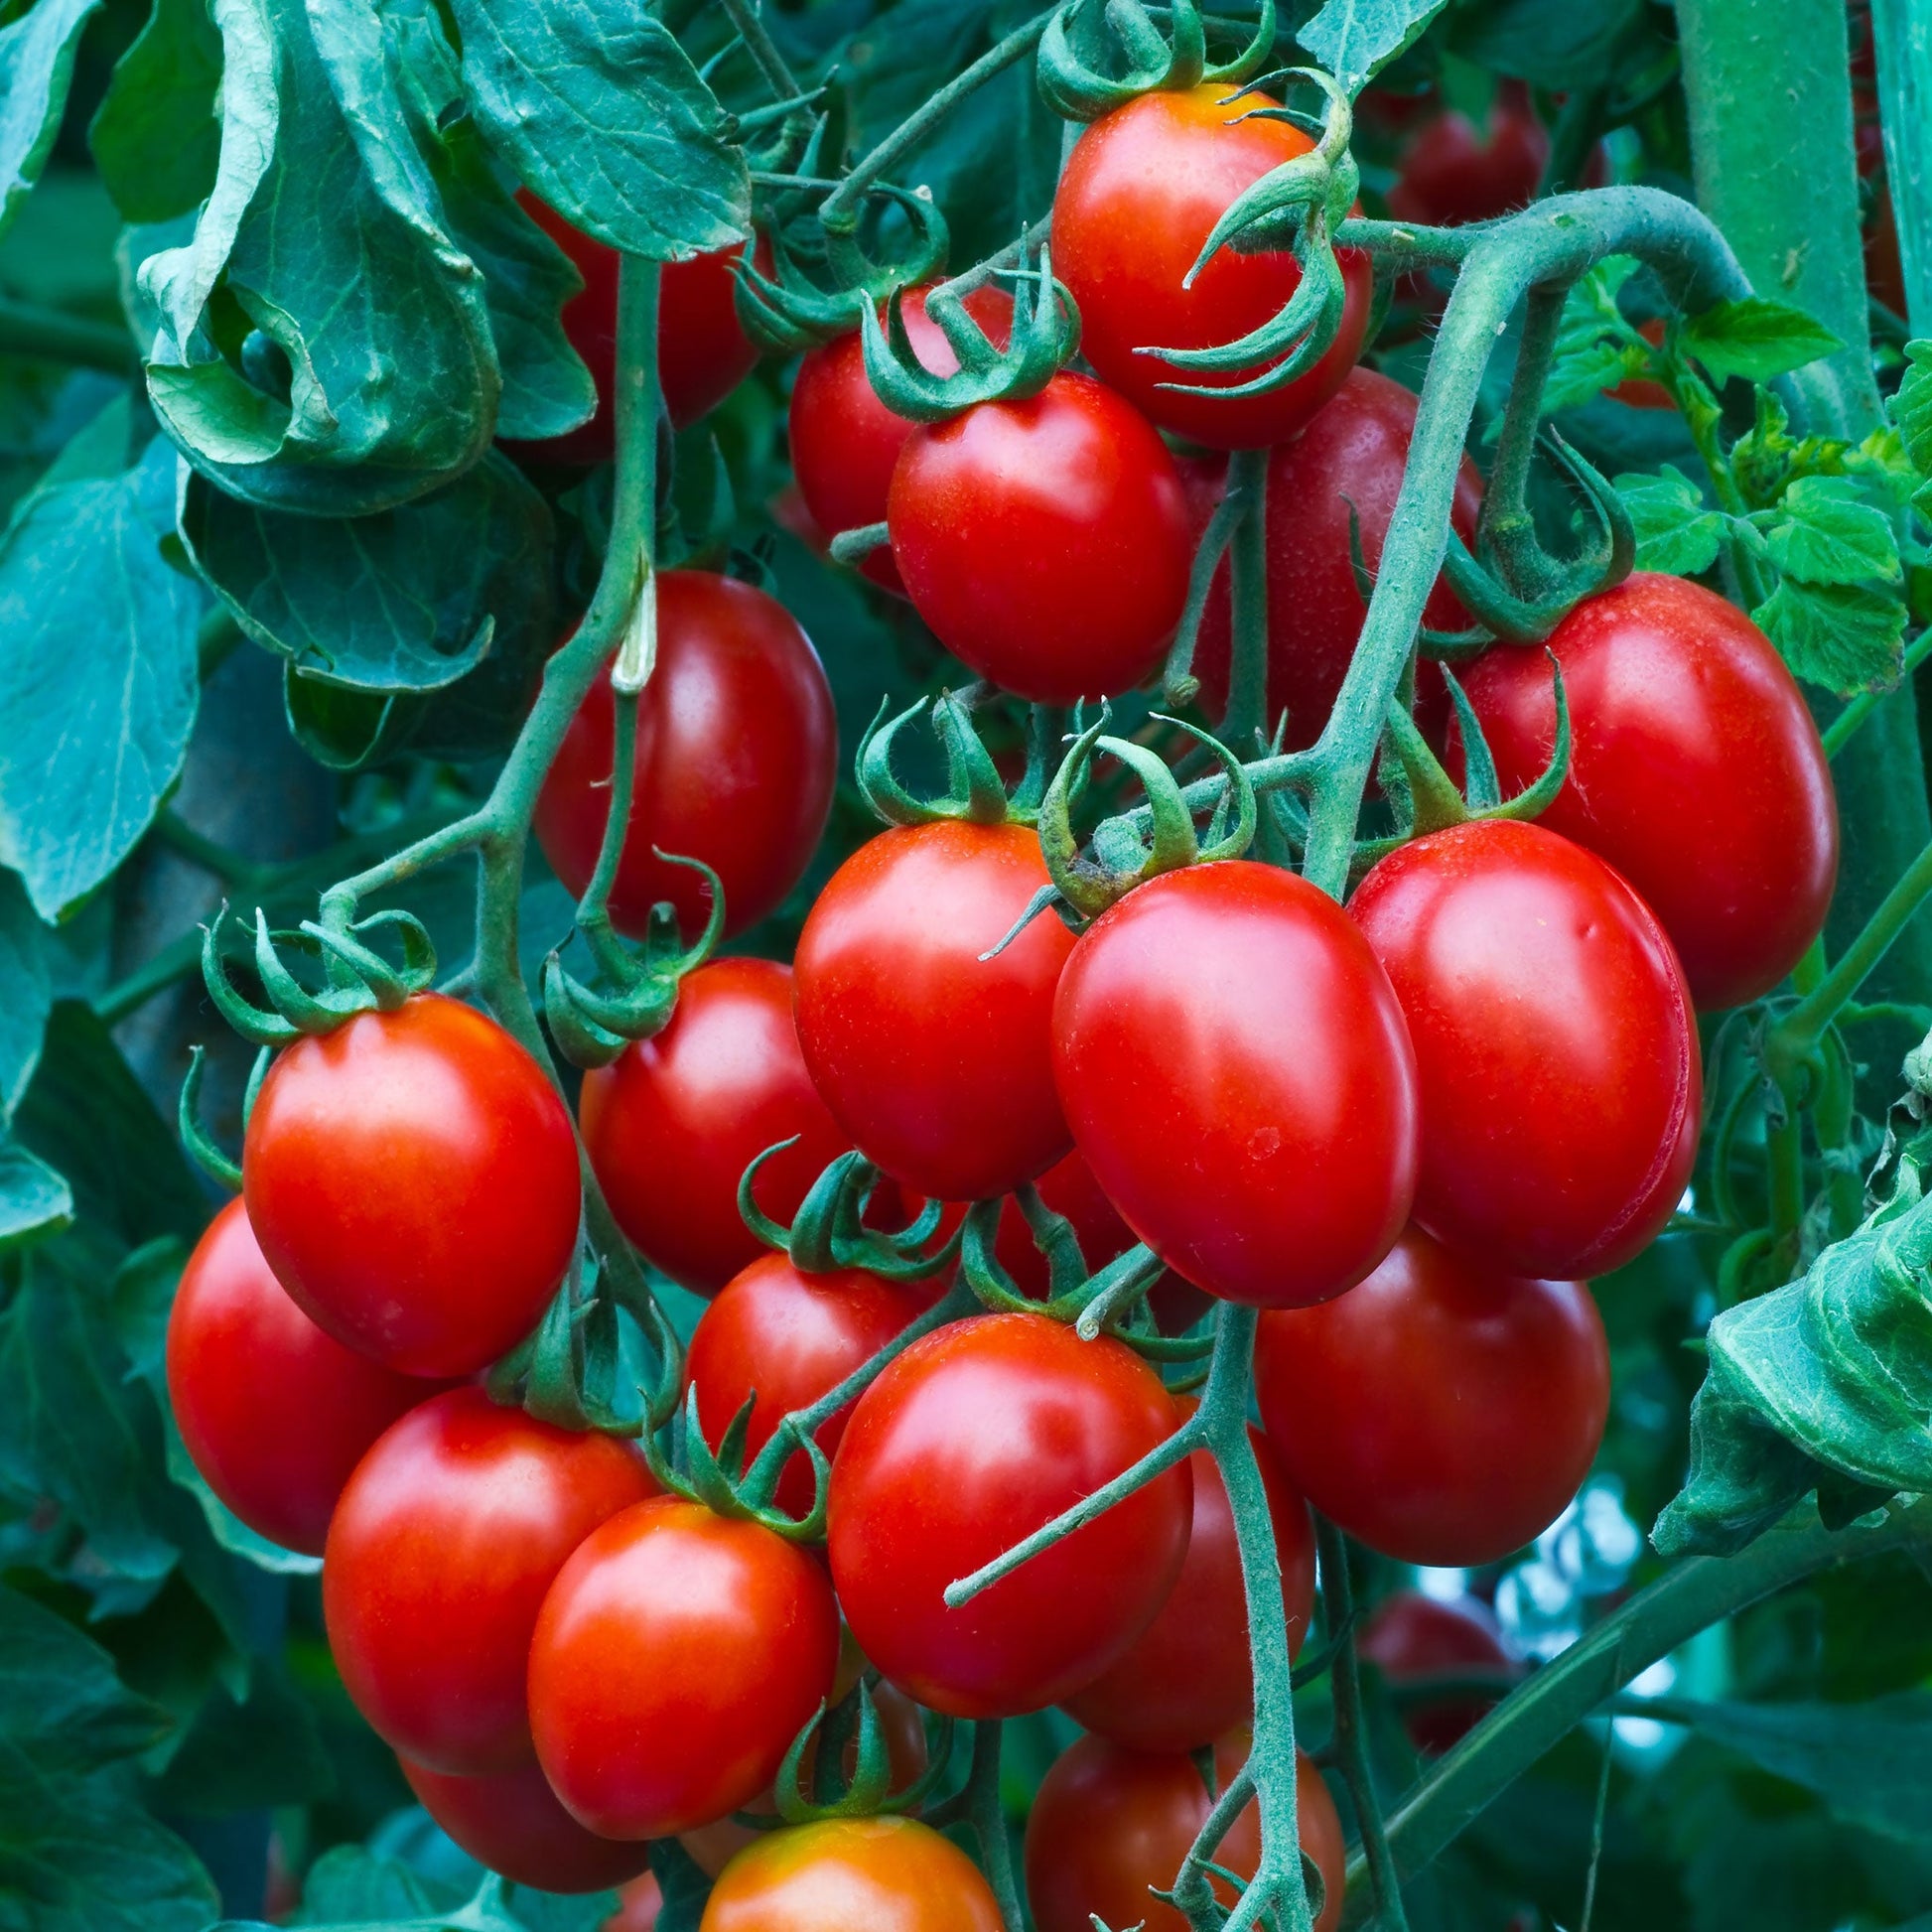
1246, 721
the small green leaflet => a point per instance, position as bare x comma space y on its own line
1755, 338
1677, 533
1845, 636
1353, 39
1825, 532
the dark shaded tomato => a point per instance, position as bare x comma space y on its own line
852, 1874
1556, 1049
1452, 174
677, 1656
1188, 1677
791, 1337
1884, 266
1140, 196
1639, 392
513, 1823
973, 1438
1109, 1826
1046, 541
738, 751
449, 1534
1695, 769
412, 1178
638, 1905
671, 1125
845, 441
1235, 1070
1445, 1411
1352, 453
274, 1413
934, 1060
703, 354
1411, 1638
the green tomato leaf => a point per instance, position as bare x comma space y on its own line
35, 1201
156, 136
1353, 39
1677, 531
1553, 44
36, 53
600, 113
1911, 407
26, 992
60, 1705
1826, 533
1845, 636
1756, 338
261, 1748
98, 679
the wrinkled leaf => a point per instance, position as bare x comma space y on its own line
1911, 407
1756, 338
1353, 39
1677, 531
1845, 636
36, 53
156, 136
1826, 533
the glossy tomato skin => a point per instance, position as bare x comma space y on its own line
1353, 451
852, 1874
412, 1179
703, 354
1188, 1676
671, 1124
445, 1541
934, 1060
1108, 1824
712, 1639
1452, 174
791, 1337
513, 1823
1046, 541
1445, 1411
845, 441
1141, 194
737, 753
275, 1412
1695, 769
1237, 1074
1411, 1637
1556, 1046
973, 1438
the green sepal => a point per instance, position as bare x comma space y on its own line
1073, 51
829, 1231
199, 1145
974, 791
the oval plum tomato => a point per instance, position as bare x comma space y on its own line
274, 1413
1452, 174
1556, 1049
638, 1905
1046, 541
976, 1437
1352, 453
671, 1125
790, 1338
1445, 1411
677, 1656
852, 1874
703, 354
1188, 1676
737, 753
449, 1534
513, 1823
1235, 1070
845, 441
1110, 1825
932, 1059
1695, 769
1411, 1638
1141, 194
412, 1178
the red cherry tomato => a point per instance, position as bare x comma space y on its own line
513, 1823
638, 1905
845, 441
412, 1179
973, 1438
274, 1413
1450, 174
1412, 1638
677, 1656
934, 1060
674, 1121
790, 1338
1141, 194
441, 1550
1557, 1052
737, 753
1443, 1412
1695, 769
853, 1875
703, 354
1236, 1072
1188, 1676
1351, 453
1046, 541
1110, 1825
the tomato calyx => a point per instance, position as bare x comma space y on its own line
975, 790
196, 1141
868, 1792
1073, 54
830, 1231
